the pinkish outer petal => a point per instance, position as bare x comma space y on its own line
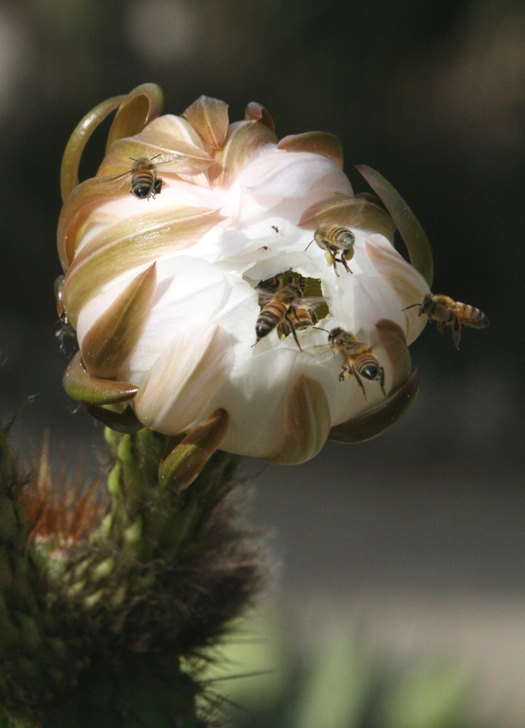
114, 335
170, 156
185, 462
301, 174
209, 117
307, 424
408, 283
140, 106
244, 141
317, 142
257, 112
184, 378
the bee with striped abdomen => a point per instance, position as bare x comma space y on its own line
283, 307
447, 312
144, 181
335, 240
359, 360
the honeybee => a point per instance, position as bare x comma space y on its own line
144, 181
358, 358
447, 312
284, 308
333, 240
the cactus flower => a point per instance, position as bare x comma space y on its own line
165, 288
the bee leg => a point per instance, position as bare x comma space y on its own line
439, 326
294, 333
382, 380
456, 332
157, 188
331, 260
358, 379
343, 261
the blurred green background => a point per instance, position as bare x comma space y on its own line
418, 534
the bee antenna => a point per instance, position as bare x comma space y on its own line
319, 328
311, 241
411, 306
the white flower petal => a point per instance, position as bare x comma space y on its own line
183, 379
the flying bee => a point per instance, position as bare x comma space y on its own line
284, 308
335, 240
358, 358
447, 312
144, 181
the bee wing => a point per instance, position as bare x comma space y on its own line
362, 337
320, 352
311, 302
265, 296
159, 160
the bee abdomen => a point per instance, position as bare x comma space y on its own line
344, 238
471, 316
268, 319
142, 185
369, 368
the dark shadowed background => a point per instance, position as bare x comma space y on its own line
421, 531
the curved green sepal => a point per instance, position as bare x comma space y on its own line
78, 140
83, 388
409, 227
110, 341
185, 462
380, 419
124, 422
138, 108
